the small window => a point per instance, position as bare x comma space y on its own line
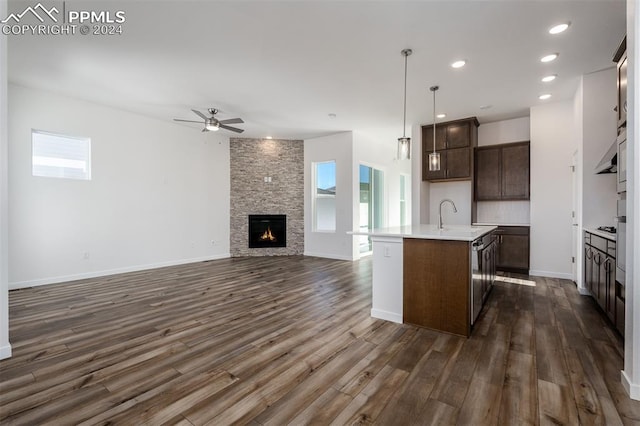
403, 200
60, 156
324, 194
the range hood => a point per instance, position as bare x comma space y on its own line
609, 163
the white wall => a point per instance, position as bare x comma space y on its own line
338, 244
460, 192
378, 148
159, 193
631, 373
599, 125
505, 131
552, 146
5, 347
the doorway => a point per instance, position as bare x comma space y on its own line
371, 203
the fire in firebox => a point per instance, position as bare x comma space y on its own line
268, 236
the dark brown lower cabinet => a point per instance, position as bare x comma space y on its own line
436, 276
513, 249
600, 280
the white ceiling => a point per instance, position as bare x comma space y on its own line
285, 66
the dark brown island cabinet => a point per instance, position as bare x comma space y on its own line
513, 249
502, 172
455, 141
599, 277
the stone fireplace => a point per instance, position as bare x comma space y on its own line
267, 180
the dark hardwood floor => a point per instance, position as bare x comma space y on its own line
289, 340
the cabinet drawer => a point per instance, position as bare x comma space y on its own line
512, 230
599, 243
611, 248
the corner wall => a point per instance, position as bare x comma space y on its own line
552, 147
159, 193
253, 160
337, 244
5, 347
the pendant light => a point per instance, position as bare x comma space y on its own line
404, 143
434, 157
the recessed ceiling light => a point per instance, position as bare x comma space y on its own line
557, 29
549, 58
548, 78
545, 96
441, 115
459, 64
268, 137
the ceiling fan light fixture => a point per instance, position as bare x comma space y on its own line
212, 126
404, 143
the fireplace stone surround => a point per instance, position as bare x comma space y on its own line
267, 178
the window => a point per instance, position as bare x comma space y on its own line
324, 195
403, 200
60, 156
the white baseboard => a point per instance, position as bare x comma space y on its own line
386, 315
329, 256
549, 274
584, 291
633, 389
95, 274
5, 351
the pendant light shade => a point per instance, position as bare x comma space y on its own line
434, 157
404, 143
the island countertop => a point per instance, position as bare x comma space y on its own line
430, 232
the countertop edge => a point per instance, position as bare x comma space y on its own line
426, 236
605, 235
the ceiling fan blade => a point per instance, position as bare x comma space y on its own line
204, 117
233, 129
231, 121
186, 121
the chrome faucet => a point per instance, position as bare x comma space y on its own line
455, 210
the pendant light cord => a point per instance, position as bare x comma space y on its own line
434, 89
404, 112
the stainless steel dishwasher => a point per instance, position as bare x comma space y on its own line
482, 271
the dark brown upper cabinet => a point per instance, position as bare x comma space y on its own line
455, 141
620, 58
501, 172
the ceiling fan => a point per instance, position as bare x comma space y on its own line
212, 124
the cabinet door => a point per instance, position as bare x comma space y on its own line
487, 172
588, 269
515, 172
458, 135
427, 138
513, 252
620, 302
458, 163
610, 288
601, 282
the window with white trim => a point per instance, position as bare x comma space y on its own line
324, 196
60, 156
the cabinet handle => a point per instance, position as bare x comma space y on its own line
607, 262
598, 260
589, 253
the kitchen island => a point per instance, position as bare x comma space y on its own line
423, 275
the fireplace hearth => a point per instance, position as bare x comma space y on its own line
267, 230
